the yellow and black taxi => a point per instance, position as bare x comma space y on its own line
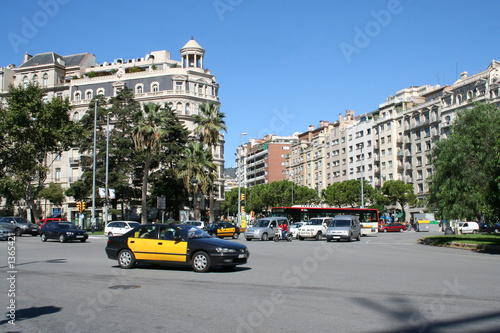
175, 245
222, 229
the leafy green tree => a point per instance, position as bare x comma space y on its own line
230, 204
399, 192
210, 123
465, 181
34, 133
54, 193
348, 193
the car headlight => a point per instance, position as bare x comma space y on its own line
69, 233
24, 227
225, 250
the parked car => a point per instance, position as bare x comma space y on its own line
175, 245
392, 227
20, 225
222, 229
265, 228
199, 224
294, 228
5, 233
486, 228
344, 227
63, 231
468, 227
315, 228
116, 228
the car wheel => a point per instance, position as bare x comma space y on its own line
18, 232
474, 231
249, 239
265, 237
62, 238
43, 237
318, 236
126, 259
201, 262
401, 230
236, 235
385, 230
110, 234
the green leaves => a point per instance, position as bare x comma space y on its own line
465, 181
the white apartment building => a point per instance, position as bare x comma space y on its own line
184, 85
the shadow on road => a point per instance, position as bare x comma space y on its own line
32, 312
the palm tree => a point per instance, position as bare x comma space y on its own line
197, 164
210, 122
147, 136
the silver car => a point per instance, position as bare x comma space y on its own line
265, 228
294, 228
344, 227
19, 225
6, 233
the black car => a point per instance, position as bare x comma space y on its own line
175, 245
63, 231
19, 225
222, 229
489, 228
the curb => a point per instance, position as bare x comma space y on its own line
481, 248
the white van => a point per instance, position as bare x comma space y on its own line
468, 227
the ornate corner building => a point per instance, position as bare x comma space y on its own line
183, 85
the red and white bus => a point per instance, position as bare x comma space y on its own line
368, 217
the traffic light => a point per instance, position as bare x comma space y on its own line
79, 206
84, 205
242, 209
242, 196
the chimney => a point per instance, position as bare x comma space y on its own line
463, 75
311, 128
27, 57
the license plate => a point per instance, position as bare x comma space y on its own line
79, 236
242, 255
336, 236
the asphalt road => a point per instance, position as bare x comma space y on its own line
384, 283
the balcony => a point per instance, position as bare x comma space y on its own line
74, 160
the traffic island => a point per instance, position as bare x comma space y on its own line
466, 242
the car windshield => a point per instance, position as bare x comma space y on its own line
67, 226
196, 233
315, 222
295, 225
261, 224
340, 223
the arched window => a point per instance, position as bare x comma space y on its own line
45, 80
88, 94
179, 107
76, 116
78, 96
25, 82
154, 87
100, 91
35, 80
139, 89
188, 109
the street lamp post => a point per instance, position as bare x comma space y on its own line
93, 221
239, 181
195, 182
291, 175
106, 200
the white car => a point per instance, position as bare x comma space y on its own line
294, 229
198, 224
117, 228
315, 228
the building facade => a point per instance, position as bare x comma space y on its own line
183, 85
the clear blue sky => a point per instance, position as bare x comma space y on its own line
281, 65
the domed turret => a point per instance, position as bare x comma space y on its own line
192, 55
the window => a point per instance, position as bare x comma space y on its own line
178, 86
25, 82
78, 96
58, 174
88, 94
154, 87
100, 92
139, 89
45, 81
35, 80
